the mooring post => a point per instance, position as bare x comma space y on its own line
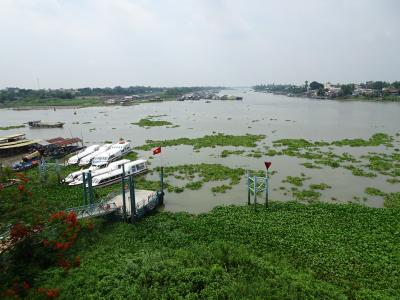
266, 190
84, 189
255, 192
58, 171
248, 187
131, 183
123, 193
91, 196
162, 185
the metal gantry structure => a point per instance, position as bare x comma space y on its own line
136, 209
255, 185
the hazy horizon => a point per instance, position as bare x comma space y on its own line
101, 43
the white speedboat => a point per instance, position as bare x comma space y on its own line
76, 158
111, 167
115, 152
135, 167
74, 175
88, 158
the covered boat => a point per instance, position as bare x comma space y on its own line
78, 176
76, 158
88, 159
132, 168
40, 124
115, 152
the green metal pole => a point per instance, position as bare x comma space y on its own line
248, 188
91, 196
266, 191
84, 189
255, 192
162, 185
58, 172
133, 199
123, 193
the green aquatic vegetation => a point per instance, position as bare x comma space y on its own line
175, 189
272, 152
206, 173
248, 140
151, 123
221, 188
359, 172
297, 143
12, 127
294, 180
376, 139
328, 162
255, 154
374, 191
226, 153
320, 186
194, 185
307, 195
131, 155
393, 180
293, 252
392, 200
309, 165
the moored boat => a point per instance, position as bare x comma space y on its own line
115, 152
88, 159
76, 158
76, 178
132, 168
40, 124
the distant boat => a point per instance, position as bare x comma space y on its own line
40, 124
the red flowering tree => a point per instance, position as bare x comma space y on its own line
33, 241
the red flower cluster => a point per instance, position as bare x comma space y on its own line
49, 293
22, 177
19, 231
21, 188
90, 226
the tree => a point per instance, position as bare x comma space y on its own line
316, 85
347, 89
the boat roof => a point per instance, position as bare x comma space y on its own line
59, 141
22, 143
117, 171
11, 136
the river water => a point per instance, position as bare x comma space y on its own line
272, 115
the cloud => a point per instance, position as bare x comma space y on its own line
71, 43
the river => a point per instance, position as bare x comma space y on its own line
272, 115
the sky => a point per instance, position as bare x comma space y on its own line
106, 43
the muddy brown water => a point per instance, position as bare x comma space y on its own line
272, 115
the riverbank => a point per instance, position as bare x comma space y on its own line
287, 251
341, 98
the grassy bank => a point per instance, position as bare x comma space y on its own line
289, 251
37, 102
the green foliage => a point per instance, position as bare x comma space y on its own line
11, 127
306, 195
221, 188
226, 153
374, 191
375, 140
248, 140
150, 122
359, 172
295, 180
289, 251
194, 185
309, 165
320, 186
